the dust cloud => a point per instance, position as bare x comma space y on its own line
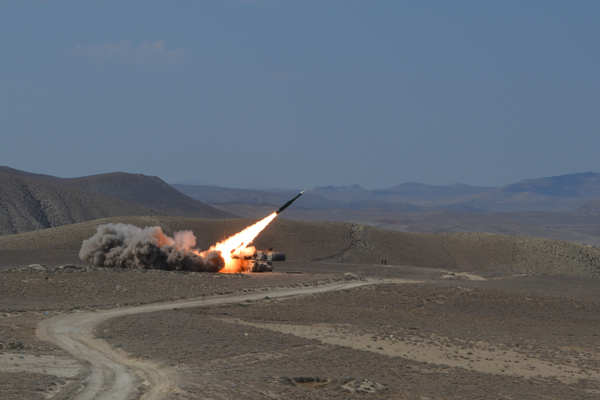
127, 246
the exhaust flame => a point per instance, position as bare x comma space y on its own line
237, 245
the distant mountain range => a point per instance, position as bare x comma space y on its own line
555, 194
34, 201
564, 207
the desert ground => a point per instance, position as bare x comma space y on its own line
438, 321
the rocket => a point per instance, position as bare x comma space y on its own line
289, 203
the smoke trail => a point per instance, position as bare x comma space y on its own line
127, 246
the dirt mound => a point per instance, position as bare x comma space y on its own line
354, 244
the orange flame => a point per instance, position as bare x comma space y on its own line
237, 245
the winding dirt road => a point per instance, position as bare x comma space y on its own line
111, 374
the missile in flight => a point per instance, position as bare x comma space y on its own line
289, 203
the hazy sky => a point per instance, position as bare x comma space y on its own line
298, 94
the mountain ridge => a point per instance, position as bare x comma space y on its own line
28, 204
147, 191
551, 194
35, 201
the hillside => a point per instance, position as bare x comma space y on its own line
41, 177
591, 208
585, 184
351, 243
28, 204
146, 191
552, 194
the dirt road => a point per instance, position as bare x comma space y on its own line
111, 373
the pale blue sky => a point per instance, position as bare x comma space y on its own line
298, 94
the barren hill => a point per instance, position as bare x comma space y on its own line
591, 208
28, 204
585, 184
556, 193
41, 177
351, 243
146, 191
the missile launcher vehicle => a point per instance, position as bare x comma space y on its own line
261, 261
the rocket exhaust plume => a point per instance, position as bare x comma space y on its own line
231, 247
127, 246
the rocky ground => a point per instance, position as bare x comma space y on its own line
447, 335
443, 339
31, 294
73, 288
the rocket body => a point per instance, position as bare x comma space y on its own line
289, 203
